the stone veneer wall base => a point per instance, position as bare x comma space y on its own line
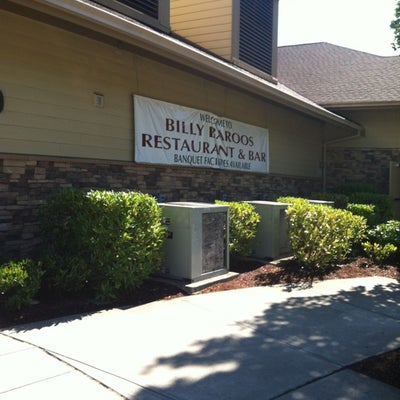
26, 182
370, 165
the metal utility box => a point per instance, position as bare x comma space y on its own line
272, 238
197, 245
322, 203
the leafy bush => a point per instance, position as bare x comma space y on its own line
322, 235
339, 199
382, 202
19, 283
364, 210
380, 236
380, 253
64, 275
126, 246
292, 200
349, 194
243, 222
388, 232
104, 241
357, 187
68, 222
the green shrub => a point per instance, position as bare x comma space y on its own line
364, 210
19, 283
339, 199
385, 234
322, 235
388, 232
126, 246
380, 253
292, 200
64, 275
243, 222
103, 241
357, 187
368, 193
67, 223
382, 202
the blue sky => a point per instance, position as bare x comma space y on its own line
358, 24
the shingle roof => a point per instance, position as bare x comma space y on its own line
333, 75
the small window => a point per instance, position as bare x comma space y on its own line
151, 12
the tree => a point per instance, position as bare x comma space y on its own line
395, 25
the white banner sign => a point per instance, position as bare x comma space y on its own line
170, 134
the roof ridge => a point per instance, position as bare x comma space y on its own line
337, 46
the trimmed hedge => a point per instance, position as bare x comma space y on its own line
104, 241
19, 283
380, 253
364, 210
383, 243
357, 187
67, 224
382, 202
322, 235
340, 200
243, 222
292, 200
127, 243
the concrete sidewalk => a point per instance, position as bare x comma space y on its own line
258, 343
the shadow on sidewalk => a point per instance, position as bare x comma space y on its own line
321, 335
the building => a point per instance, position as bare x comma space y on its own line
363, 88
123, 95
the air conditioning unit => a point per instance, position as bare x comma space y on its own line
272, 237
197, 245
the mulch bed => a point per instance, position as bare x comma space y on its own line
385, 368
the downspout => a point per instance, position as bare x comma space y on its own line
360, 132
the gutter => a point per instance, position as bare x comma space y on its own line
362, 106
101, 20
359, 134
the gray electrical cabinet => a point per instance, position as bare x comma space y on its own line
197, 244
322, 203
272, 237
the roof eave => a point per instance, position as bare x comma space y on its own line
362, 105
96, 18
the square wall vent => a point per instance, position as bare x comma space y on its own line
151, 12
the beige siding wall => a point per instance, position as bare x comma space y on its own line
48, 77
207, 23
295, 141
382, 128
